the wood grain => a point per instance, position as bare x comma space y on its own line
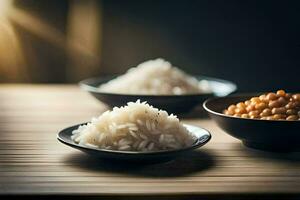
32, 161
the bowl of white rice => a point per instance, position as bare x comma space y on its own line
159, 83
137, 131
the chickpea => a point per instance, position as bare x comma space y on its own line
274, 104
250, 108
255, 100
263, 97
270, 118
296, 97
281, 100
227, 112
230, 113
253, 103
290, 105
296, 104
262, 115
245, 116
247, 103
241, 105
271, 96
254, 113
292, 117
277, 116
266, 112
260, 106
281, 110
288, 96
280, 93
291, 112
240, 110
271, 106
231, 108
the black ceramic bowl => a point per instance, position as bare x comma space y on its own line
270, 135
172, 103
202, 137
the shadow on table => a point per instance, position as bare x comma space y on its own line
190, 163
197, 112
292, 157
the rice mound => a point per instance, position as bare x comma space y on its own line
134, 127
156, 77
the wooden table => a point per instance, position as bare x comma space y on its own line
33, 162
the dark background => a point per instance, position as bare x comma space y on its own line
252, 43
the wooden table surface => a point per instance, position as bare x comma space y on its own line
33, 162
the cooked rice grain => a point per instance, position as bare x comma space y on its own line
135, 127
156, 77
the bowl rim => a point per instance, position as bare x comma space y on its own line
240, 95
198, 143
84, 84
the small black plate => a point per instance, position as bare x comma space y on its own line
202, 135
172, 103
269, 135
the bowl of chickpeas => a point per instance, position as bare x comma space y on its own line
268, 121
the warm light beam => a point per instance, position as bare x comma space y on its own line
48, 33
81, 43
11, 55
5, 6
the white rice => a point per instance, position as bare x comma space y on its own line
156, 77
135, 127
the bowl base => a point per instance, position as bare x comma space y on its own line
275, 147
